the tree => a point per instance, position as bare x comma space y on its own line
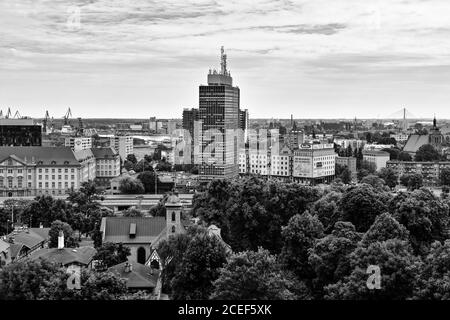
384, 228
434, 275
69, 239
133, 212
132, 158
251, 211
393, 153
298, 236
327, 209
389, 176
44, 210
26, 279
373, 180
398, 273
148, 181
110, 254
404, 156
424, 215
199, 268
444, 177
130, 185
361, 204
412, 181
252, 275
427, 153
329, 257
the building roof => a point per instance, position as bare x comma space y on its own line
33, 155
30, 237
117, 229
66, 256
102, 153
4, 246
83, 154
15, 249
140, 276
376, 153
415, 141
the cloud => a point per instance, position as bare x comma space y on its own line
175, 42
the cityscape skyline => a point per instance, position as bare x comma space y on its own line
320, 59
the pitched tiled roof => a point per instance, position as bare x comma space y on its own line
101, 153
4, 246
66, 256
83, 154
31, 237
140, 277
117, 229
415, 141
15, 249
45, 154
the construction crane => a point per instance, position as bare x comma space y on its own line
17, 115
67, 116
8, 114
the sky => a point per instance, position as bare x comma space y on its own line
143, 58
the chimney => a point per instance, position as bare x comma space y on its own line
61, 240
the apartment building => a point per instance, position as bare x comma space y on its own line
78, 143
107, 164
430, 171
376, 157
123, 145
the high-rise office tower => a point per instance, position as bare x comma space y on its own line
219, 117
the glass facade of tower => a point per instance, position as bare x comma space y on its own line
219, 115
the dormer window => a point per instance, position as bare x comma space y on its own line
132, 230
53, 162
66, 162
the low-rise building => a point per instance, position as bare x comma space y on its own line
377, 158
24, 241
66, 257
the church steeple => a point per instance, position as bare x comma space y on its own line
434, 122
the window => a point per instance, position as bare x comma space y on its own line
66, 177
46, 177
72, 170
19, 182
53, 185
10, 182
173, 229
59, 176
40, 170
29, 177
29, 184
46, 185
46, 170
72, 177
40, 185
173, 216
53, 170
19, 170
10, 171
1, 182
66, 170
